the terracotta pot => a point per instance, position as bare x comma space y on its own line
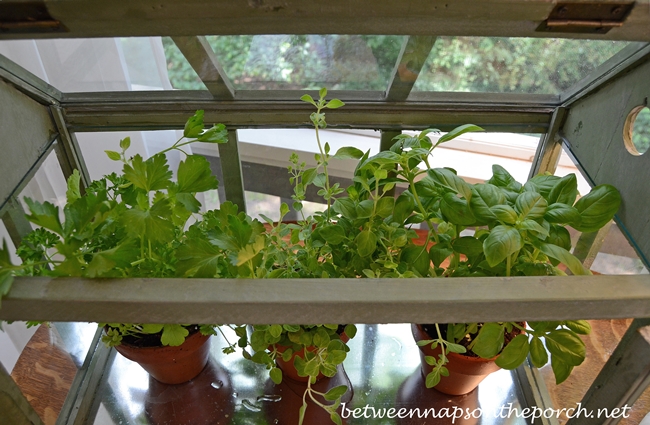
281, 403
413, 394
171, 365
465, 372
289, 371
205, 400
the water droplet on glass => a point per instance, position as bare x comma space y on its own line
250, 406
277, 421
216, 384
271, 398
234, 394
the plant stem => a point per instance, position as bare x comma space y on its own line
324, 162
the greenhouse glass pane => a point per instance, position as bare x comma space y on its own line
104, 64
299, 62
511, 65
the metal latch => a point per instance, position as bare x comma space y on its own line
596, 18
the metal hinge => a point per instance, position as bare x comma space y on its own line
597, 18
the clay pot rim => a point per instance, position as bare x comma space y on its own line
189, 339
476, 359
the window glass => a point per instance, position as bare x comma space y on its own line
511, 65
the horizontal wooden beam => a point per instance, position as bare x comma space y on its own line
327, 300
112, 112
125, 18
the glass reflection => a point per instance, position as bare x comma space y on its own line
383, 369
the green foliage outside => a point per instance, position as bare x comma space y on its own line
353, 62
641, 131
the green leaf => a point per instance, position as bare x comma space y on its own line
322, 93
514, 353
504, 213
457, 132
195, 175
307, 98
321, 338
152, 174
301, 413
385, 206
152, 328
276, 375
567, 346
467, 245
456, 210
125, 143
560, 236
433, 378
598, 207
334, 104
364, 209
348, 152
366, 243
543, 184
73, 193
530, 205
333, 234
404, 206
450, 181
417, 258
194, 125
485, 196
456, 348
535, 227
215, 134
173, 335
350, 330
5, 258
113, 156
563, 214
579, 326
502, 242
565, 257
275, 330
335, 392
438, 254
561, 370
249, 251
334, 417
45, 215
538, 354
154, 224
189, 202
199, 258
489, 340
564, 191
502, 178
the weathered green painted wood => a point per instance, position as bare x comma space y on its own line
14, 407
623, 378
533, 388
410, 61
327, 300
593, 133
25, 140
68, 151
589, 244
549, 149
231, 168
201, 57
15, 221
505, 18
159, 114
28, 83
78, 406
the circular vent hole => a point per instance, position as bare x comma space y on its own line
636, 132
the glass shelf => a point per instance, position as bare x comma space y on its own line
383, 369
